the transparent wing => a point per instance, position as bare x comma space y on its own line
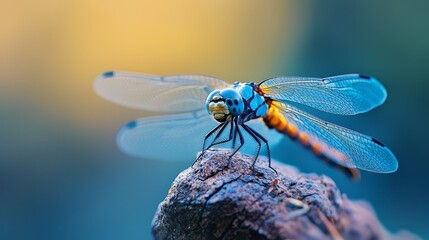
346, 147
345, 94
177, 136
172, 94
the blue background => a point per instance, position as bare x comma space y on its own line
61, 175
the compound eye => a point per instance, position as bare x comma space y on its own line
234, 101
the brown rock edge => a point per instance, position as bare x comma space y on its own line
216, 201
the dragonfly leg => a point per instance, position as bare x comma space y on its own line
240, 135
266, 145
222, 127
255, 137
208, 135
234, 139
214, 143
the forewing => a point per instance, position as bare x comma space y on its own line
172, 94
344, 94
177, 137
344, 146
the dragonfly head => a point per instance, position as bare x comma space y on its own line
224, 104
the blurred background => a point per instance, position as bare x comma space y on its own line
61, 174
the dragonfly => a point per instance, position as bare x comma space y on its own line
195, 109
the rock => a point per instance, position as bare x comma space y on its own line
214, 201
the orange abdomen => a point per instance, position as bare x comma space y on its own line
274, 119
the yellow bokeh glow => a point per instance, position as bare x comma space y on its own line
53, 50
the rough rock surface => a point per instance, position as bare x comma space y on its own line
216, 201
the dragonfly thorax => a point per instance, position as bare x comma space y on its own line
239, 100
